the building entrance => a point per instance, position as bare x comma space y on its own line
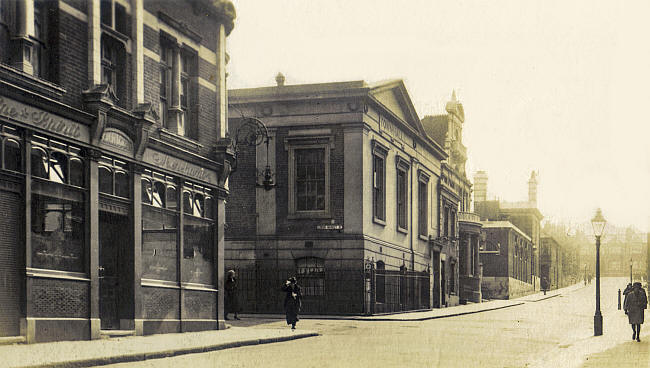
10, 261
114, 236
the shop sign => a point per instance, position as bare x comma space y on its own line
178, 166
114, 139
42, 119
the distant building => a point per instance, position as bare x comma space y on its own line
356, 211
524, 215
506, 259
550, 262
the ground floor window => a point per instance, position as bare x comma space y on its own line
198, 243
159, 243
311, 276
57, 231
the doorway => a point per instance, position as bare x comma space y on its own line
114, 298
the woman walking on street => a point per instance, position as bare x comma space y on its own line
292, 301
636, 302
232, 303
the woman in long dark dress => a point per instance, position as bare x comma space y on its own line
292, 301
636, 302
232, 303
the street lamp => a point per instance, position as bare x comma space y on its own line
598, 222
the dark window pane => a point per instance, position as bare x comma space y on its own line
209, 208
147, 191
39, 162
105, 180
187, 202
13, 155
159, 196
122, 184
77, 172
58, 167
106, 12
172, 201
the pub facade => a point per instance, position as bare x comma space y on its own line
113, 167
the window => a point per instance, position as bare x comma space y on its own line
58, 206
380, 288
113, 177
311, 276
113, 67
402, 194
41, 53
11, 149
113, 15
57, 162
310, 179
198, 234
423, 205
379, 182
178, 78
309, 172
159, 227
165, 80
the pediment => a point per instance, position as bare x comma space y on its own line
394, 97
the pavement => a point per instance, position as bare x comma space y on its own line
138, 348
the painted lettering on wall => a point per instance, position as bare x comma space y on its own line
42, 119
179, 166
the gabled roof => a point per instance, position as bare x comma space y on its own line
393, 95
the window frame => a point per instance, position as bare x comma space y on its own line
423, 205
291, 145
401, 195
379, 152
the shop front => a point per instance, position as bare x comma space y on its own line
104, 228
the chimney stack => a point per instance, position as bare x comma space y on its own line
480, 186
279, 79
532, 189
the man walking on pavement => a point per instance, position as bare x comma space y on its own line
636, 302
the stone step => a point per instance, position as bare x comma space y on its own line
107, 334
10, 340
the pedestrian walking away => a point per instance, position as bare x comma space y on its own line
636, 301
292, 301
232, 300
544, 284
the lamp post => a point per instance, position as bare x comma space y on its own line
598, 223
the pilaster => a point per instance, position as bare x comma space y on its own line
94, 44
92, 236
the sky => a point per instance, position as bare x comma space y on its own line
559, 87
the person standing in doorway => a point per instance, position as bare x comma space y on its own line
292, 301
636, 302
232, 302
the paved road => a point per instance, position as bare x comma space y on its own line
556, 332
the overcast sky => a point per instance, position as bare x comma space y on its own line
561, 87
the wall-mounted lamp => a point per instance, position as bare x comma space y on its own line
252, 132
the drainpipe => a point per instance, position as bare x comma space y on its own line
411, 219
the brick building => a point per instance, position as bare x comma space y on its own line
355, 213
507, 261
550, 261
113, 171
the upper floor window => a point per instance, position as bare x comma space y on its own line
42, 47
309, 177
402, 193
178, 87
423, 204
57, 162
114, 67
379, 181
113, 15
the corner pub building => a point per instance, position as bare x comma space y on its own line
113, 164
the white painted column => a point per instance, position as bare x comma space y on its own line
137, 51
94, 44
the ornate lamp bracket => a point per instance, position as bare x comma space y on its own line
252, 132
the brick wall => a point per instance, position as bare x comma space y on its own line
73, 52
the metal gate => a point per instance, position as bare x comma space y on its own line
10, 263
